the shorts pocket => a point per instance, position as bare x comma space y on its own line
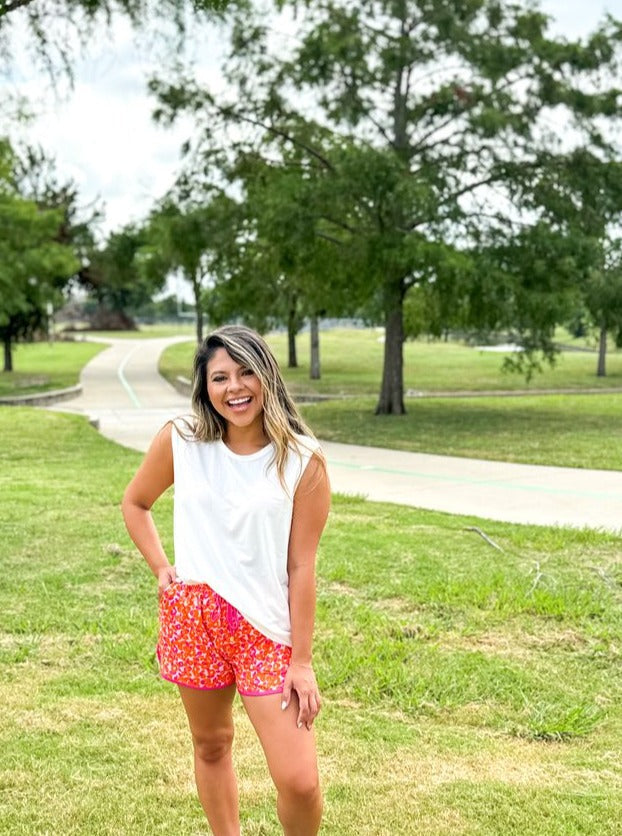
169, 593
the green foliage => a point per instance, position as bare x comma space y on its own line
45, 241
193, 237
580, 197
114, 276
34, 263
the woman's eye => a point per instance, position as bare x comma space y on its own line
248, 371
218, 379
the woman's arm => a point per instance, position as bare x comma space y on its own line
311, 506
152, 478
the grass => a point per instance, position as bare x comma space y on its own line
562, 430
38, 367
463, 692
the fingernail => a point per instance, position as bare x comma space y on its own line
299, 725
283, 705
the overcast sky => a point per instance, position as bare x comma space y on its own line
103, 136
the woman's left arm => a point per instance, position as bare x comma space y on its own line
311, 506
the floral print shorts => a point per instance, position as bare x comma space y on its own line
206, 643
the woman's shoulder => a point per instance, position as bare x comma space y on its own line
306, 445
184, 426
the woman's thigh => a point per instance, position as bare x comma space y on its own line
210, 716
290, 751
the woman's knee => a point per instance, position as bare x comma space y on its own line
301, 786
213, 746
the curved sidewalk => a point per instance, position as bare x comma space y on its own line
123, 392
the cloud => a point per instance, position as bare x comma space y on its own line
101, 132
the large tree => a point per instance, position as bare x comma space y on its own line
418, 116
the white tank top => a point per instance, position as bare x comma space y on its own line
232, 521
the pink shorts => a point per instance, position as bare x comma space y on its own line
206, 643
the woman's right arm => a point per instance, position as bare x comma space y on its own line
152, 478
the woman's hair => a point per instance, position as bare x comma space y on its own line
281, 419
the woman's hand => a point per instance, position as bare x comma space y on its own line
301, 680
166, 576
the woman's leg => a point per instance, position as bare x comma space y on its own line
211, 724
292, 762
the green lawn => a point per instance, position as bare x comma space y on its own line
467, 690
38, 367
563, 430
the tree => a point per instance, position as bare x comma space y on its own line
190, 237
38, 254
113, 275
278, 270
416, 110
603, 299
34, 264
580, 195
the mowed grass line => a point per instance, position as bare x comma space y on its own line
467, 689
41, 366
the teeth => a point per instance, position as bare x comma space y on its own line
239, 401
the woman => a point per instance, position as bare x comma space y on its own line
237, 608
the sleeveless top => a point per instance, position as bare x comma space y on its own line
232, 520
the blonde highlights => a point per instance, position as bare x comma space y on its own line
281, 419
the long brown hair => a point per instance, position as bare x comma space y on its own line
281, 419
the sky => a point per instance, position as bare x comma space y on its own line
102, 134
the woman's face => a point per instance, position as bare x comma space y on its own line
234, 391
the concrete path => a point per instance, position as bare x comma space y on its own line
123, 391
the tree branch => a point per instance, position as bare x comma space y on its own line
422, 140
228, 111
12, 5
338, 223
330, 238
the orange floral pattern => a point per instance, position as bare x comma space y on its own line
205, 643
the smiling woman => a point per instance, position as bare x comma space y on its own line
237, 608
235, 393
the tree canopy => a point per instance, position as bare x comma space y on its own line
420, 130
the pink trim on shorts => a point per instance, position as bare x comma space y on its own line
260, 693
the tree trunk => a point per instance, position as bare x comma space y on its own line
391, 400
292, 330
196, 291
602, 352
315, 348
8, 352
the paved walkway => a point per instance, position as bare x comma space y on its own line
124, 392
